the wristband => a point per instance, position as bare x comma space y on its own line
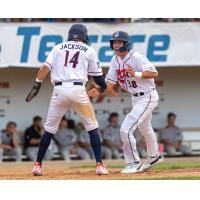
138, 74
37, 80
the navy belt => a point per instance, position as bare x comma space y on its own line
138, 94
75, 83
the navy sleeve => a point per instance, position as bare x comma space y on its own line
100, 80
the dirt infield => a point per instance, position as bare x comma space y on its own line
85, 170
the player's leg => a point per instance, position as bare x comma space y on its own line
144, 123
149, 135
87, 116
145, 128
153, 154
131, 155
84, 109
57, 109
142, 106
128, 127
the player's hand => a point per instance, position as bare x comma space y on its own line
34, 91
130, 70
94, 92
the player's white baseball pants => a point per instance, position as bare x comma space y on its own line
140, 116
66, 96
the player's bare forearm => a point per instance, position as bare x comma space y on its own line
149, 74
42, 73
144, 75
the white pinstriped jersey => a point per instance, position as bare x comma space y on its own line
118, 72
73, 60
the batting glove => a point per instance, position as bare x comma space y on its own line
34, 91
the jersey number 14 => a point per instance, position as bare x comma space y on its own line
73, 60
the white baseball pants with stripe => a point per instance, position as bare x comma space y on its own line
139, 117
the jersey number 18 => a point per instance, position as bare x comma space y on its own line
132, 84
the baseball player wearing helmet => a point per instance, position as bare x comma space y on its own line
135, 74
70, 63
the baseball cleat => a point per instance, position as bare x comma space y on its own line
37, 169
150, 161
131, 168
101, 169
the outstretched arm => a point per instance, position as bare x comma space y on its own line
42, 73
96, 91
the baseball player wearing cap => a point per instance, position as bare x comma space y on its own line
70, 63
135, 74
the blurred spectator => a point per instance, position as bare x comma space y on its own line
70, 124
32, 138
66, 139
9, 142
140, 143
100, 20
84, 147
70, 20
171, 136
5, 19
84, 144
146, 20
124, 20
111, 138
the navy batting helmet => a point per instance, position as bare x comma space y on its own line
121, 36
78, 32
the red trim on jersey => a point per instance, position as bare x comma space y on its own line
123, 67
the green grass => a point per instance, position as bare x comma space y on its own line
177, 165
161, 166
162, 178
177, 178
167, 166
